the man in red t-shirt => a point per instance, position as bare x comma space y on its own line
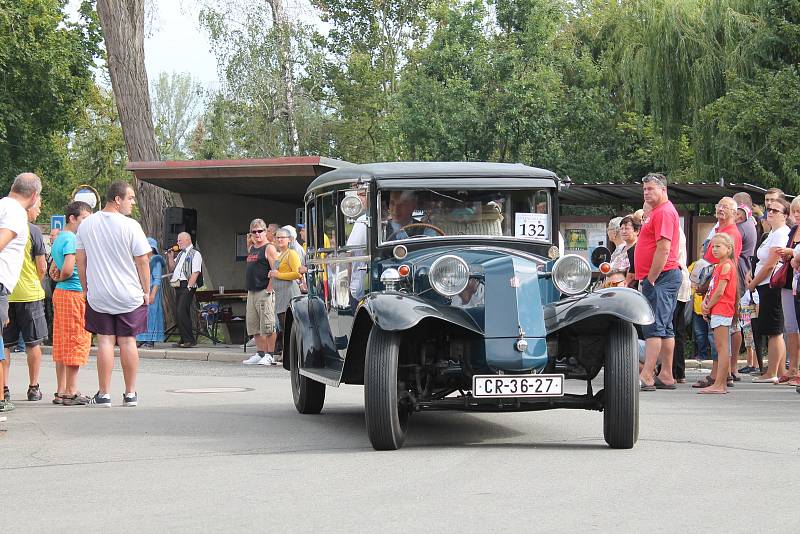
726, 223
658, 269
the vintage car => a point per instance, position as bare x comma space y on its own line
440, 286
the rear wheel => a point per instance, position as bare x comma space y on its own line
387, 417
308, 395
621, 387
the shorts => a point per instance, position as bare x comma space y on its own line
747, 336
121, 325
260, 314
662, 298
71, 341
26, 319
719, 320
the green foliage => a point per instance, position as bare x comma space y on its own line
45, 76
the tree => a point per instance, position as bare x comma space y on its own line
45, 63
267, 100
366, 47
123, 32
176, 99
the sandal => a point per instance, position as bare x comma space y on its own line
784, 379
75, 400
58, 398
703, 382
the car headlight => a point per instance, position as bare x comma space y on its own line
572, 274
449, 275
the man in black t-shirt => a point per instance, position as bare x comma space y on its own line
260, 315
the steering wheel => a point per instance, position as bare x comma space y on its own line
410, 225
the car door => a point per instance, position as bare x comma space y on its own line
321, 217
353, 260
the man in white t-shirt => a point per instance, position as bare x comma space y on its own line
111, 251
24, 194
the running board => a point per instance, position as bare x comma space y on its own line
329, 377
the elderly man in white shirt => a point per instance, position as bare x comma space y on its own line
186, 269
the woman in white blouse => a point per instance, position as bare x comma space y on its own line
770, 315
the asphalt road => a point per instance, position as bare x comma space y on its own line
246, 461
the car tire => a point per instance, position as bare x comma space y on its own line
386, 421
621, 387
308, 395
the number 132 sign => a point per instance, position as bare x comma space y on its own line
532, 225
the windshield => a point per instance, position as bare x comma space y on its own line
429, 213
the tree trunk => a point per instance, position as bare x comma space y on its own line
285, 58
123, 32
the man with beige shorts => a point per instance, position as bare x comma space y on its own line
260, 315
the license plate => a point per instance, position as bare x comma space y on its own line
518, 386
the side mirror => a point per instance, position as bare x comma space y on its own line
351, 205
599, 256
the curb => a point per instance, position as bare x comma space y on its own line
165, 354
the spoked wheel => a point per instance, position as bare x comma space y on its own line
309, 395
621, 387
386, 414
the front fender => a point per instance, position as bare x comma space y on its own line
395, 312
621, 302
316, 339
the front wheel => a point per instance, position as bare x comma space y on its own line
621, 387
308, 395
387, 417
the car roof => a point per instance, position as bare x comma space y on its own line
417, 169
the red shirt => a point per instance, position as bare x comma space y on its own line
662, 224
733, 231
727, 301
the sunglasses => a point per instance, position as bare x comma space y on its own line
774, 211
257, 231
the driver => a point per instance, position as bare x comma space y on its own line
401, 207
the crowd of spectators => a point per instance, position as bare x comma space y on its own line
741, 292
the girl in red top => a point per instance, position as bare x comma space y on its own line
719, 306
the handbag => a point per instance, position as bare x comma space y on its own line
779, 275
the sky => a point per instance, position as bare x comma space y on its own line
175, 42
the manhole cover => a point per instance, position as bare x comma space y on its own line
210, 390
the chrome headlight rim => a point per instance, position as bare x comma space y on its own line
434, 282
563, 288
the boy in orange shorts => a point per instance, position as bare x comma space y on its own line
71, 342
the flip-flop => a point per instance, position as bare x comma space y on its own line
706, 391
648, 387
661, 385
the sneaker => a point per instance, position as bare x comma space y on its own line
100, 400
34, 393
130, 399
267, 360
252, 360
6, 393
6, 405
75, 400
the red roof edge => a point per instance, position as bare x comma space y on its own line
209, 163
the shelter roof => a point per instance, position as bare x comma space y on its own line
283, 179
689, 193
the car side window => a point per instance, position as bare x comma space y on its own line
326, 214
311, 226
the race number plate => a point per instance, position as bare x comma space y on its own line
518, 386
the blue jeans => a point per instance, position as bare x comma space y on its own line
703, 338
662, 298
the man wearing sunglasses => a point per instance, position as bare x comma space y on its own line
260, 314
